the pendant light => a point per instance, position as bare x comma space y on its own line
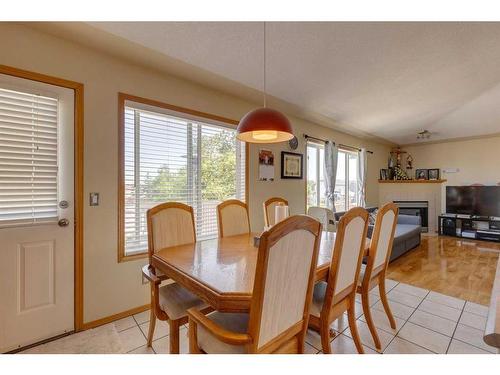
264, 125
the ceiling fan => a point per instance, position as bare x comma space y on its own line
424, 134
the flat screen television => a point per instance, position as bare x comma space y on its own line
473, 200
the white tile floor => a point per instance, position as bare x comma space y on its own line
427, 322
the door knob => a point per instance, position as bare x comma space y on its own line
63, 222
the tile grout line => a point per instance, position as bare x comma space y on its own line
408, 341
382, 352
406, 321
341, 333
455, 330
138, 326
475, 346
358, 319
438, 316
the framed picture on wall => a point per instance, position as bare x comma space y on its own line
266, 165
433, 174
422, 174
291, 165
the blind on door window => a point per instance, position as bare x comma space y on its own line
171, 158
28, 158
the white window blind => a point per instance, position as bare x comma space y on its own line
28, 158
171, 158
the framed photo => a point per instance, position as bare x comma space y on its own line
422, 174
433, 174
266, 165
291, 165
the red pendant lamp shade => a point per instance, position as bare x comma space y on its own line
264, 125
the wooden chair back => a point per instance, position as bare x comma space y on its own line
284, 281
325, 216
170, 224
232, 218
382, 240
269, 210
347, 256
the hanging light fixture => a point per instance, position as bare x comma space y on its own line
264, 125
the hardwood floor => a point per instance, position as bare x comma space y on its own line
456, 267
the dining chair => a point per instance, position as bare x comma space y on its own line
338, 295
281, 297
269, 209
232, 218
169, 224
325, 217
374, 272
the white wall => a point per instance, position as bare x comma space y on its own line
111, 287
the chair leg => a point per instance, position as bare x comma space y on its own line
385, 303
152, 325
351, 317
300, 343
369, 320
324, 331
174, 336
193, 338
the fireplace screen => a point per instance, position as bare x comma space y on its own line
415, 208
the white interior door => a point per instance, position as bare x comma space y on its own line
36, 195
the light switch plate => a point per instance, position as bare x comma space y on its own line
94, 199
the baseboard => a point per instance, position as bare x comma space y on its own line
112, 318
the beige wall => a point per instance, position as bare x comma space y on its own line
476, 159
111, 287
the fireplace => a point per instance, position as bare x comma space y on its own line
415, 208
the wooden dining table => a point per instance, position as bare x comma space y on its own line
221, 271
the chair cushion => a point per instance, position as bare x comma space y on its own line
234, 322
318, 298
175, 300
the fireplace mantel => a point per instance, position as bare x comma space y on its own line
411, 181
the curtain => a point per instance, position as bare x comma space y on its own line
330, 169
362, 167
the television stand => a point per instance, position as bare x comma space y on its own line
469, 226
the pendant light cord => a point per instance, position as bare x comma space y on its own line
265, 99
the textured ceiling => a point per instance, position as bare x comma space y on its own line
389, 80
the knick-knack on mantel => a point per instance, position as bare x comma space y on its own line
409, 162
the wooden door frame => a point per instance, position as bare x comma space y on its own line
78, 176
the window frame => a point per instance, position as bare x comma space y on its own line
122, 99
348, 152
317, 146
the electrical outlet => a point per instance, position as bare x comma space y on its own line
94, 199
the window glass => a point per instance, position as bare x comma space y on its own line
346, 193
171, 158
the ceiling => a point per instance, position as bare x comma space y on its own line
387, 80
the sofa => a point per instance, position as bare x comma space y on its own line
406, 236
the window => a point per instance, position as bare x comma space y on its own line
315, 175
173, 156
346, 192
28, 158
